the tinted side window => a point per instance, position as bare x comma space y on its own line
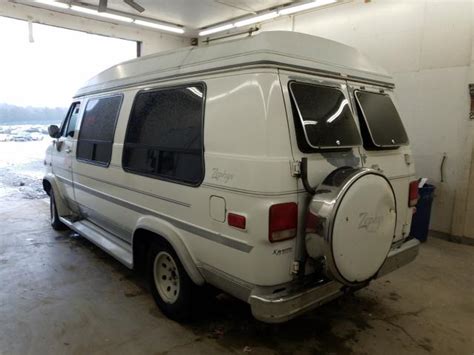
323, 118
96, 135
164, 134
66, 124
71, 126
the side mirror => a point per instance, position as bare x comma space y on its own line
53, 131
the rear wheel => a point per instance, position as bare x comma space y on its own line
55, 221
170, 285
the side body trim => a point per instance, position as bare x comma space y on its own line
136, 190
204, 233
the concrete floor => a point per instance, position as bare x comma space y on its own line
60, 294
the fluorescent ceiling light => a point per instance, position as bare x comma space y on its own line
306, 6
115, 17
159, 26
216, 29
256, 19
53, 3
86, 10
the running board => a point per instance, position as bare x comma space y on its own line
103, 239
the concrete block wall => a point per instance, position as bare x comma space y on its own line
427, 46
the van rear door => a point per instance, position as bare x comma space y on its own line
385, 144
322, 129
320, 110
321, 124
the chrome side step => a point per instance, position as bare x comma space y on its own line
103, 239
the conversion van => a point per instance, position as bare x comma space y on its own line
275, 168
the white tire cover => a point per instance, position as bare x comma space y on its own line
363, 228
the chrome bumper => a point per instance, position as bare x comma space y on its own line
403, 255
302, 297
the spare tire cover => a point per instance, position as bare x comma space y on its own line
358, 216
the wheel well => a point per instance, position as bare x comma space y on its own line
47, 186
142, 240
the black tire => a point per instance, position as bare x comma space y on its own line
55, 222
175, 305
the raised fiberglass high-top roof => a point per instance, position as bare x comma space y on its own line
279, 49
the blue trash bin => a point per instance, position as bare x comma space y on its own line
421, 219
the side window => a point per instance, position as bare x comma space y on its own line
96, 135
71, 125
164, 135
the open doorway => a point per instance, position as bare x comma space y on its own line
40, 70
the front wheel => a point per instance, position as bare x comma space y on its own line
170, 285
55, 221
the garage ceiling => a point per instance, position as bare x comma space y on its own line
190, 18
195, 14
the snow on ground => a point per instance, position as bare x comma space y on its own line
22, 169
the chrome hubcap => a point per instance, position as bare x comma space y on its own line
166, 277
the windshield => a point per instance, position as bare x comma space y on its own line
323, 118
382, 120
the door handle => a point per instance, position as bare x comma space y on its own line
68, 150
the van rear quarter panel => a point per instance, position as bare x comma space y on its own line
247, 163
248, 155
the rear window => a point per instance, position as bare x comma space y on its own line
323, 119
381, 121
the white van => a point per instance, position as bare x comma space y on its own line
275, 168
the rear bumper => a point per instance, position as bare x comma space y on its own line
300, 297
403, 255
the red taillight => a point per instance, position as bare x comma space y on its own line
413, 194
282, 222
236, 220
